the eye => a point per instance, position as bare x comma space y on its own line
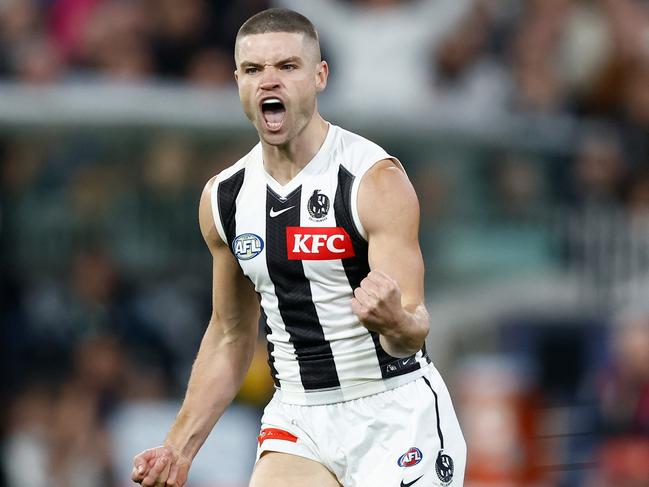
251, 70
289, 67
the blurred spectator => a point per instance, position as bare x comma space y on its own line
600, 171
25, 455
211, 68
622, 391
69, 23
499, 420
539, 84
79, 442
623, 386
622, 463
128, 40
115, 42
36, 61
57, 433
180, 29
378, 48
469, 81
518, 188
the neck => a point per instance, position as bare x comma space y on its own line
284, 162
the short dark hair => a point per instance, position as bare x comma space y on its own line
278, 20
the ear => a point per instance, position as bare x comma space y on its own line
321, 75
236, 75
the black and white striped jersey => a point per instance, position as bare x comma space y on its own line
304, 248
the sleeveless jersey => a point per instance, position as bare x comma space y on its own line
304, 248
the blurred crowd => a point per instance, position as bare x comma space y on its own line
104, 279
120, 41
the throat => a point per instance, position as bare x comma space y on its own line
283, 173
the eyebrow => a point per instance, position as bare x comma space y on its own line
291, 59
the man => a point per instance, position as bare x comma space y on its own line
322, 225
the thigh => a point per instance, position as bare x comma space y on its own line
405, 436
274, 469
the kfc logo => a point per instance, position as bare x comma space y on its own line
318, 243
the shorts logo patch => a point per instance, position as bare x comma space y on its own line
275, 434
411, 458
444, 468
318, 206
247, 246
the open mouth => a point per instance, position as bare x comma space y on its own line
273, 111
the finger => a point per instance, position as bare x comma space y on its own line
164, 475
181, 478
156, 472
173, 475
361, 311
363, 297
371, 285
140, 466
357, 307
137, 474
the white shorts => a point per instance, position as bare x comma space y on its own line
407, 436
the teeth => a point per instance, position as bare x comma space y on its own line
271, 100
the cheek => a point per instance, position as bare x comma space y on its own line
247, 101
307, 98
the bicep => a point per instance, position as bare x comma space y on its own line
233, 295
389, 211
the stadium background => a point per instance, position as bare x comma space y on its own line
523, 125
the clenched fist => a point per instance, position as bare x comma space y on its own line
377, 303
160, 467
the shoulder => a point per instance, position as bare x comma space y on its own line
354, 148
206, 219
208, 211
386, 197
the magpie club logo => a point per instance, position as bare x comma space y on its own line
444, 468
318, 206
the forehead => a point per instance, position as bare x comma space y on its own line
270, 47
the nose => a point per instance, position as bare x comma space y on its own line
269, 79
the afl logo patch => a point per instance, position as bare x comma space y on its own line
247, 246
411, 458
444, 468
318, 206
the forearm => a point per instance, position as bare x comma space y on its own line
217, 374
407, 335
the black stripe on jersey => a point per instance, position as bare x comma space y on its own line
293, 290
227, 192
439, 426
357, 267
263, 321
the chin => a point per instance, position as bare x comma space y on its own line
276, 139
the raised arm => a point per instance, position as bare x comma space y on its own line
390, 300
222, 361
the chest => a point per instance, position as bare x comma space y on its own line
295, 233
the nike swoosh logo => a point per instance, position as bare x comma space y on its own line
403, 484
274, 213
